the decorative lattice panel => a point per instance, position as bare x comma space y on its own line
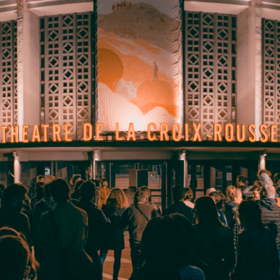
66, 71
8, 74
210, 69
271, 72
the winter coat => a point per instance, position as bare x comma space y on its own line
181, 208
72, 223
271, 217
257, 256
97, 223
113, 237
215, 250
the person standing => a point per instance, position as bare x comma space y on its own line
214, 241
257, 256
136, 218
72, 224
113, 237
104, 192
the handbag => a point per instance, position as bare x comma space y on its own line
75, 264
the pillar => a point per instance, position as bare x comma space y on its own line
28, 51
262, 162
17, 168
249, 66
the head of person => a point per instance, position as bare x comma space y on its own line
188, 194
209, 191
87, 191
78, 185
140, 197
39, 190
218, 198
40, 178
206, 210
75, 178
146, 190
117, 199
249, 213
265, 176
9, 231
60, 190
104, 182
165, 243
14, 258
234, 194
179, 193
241, 182
47, 190
14, 195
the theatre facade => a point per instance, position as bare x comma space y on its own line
143, 92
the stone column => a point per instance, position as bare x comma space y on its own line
17, 168
249, 66
28, 51
262, 162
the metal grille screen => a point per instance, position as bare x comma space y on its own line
210, 69
66, 71
271, 72
8, 74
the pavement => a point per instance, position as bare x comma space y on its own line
126, 267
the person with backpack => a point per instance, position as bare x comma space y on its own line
213, 246
136, 218
113, 236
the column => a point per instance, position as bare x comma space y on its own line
262, 162
249, 66
17, 168
28, 52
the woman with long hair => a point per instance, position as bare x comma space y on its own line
214, 241
104, 192
113, 238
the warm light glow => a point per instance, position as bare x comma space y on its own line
118, 138
98, 132
56, 133
25, 133
67, 128
45, 127
36, 134
186, 132
251, 129
264, 138
197, 135
273, 133
177, 127
217, 132
229, 132
164, 131
14, 134
154, 137
240, 135
131, 133
4, 138
87, 131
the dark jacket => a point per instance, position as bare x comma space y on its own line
214, 248
271, 217
10, 217
181, 208
230, 212
136, 221
96, 223
113, 237
257, 256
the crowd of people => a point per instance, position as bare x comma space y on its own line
61, 233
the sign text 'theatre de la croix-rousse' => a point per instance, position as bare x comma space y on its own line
229, 131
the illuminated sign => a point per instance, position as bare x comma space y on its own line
164, 132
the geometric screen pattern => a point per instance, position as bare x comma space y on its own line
271, 72
66, 71
210, 69
8, 74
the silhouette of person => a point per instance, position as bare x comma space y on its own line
155, 72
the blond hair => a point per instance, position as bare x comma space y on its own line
119, 197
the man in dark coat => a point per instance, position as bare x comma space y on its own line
10, 213
179, 206
136, 218
271, 213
